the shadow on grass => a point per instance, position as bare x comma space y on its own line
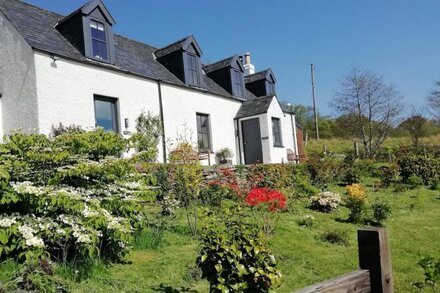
170, 289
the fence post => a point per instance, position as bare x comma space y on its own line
375, 256
356, 150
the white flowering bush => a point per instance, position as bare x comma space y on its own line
59, 203
325, 201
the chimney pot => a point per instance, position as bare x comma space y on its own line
247, 65
247, 58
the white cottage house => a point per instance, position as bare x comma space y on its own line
74, 70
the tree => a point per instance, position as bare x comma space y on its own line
372, 102
434, 101
416, 126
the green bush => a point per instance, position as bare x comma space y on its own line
96, 144
335, 236
389, 175
323, 171
380, 212
424, 167
232, 256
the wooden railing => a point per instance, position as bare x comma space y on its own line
375, 274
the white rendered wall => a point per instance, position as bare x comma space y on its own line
66, 90
17, 81
279, 154
180, 107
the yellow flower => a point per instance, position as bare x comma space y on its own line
356, 192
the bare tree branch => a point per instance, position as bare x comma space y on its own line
375, 105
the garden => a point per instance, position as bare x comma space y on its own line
76, 216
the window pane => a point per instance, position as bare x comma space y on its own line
105, 114
276, 131
99, 42
203, 132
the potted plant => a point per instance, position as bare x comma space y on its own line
223, 155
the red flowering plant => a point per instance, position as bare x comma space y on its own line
265, 203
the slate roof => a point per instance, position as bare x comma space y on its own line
256, 76
254, 107
171, 47
218, 65
37, 26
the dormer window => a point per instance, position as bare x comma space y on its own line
99, 40
182, 58
228, 73
237, 83
193, 70
261, 83
270, 88
90, 30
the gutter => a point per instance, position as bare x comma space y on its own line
162, 122
239, 140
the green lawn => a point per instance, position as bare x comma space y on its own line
303, 258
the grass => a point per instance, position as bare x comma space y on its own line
303, 257
346, 145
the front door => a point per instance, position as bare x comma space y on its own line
252, 141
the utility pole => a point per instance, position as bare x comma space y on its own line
315, 112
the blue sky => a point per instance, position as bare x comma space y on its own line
398, 39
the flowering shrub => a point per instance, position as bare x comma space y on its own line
356, 200
265, 203
325, 201
273, 199
56, 202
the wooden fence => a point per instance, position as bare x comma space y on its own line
375, 274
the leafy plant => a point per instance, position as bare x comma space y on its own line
381, 211
233, 257
431, 273
223, 155
149, 129
306, 221
339, 237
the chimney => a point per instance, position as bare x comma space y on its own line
247, 65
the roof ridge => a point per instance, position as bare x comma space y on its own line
230, 57
39, 8
172, 44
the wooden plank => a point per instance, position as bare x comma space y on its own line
375, 256
358, 281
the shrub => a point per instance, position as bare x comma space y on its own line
381, 211
426, 168
389, 174
325, 201
339, 237
306, 221
96, 144
232, 256
187, 177
213, 193
323, 171
356, 199
265, 203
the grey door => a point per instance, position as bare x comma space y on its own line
252, 141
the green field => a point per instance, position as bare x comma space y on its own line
303, 258
347, 145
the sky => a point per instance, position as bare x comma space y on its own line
396, 39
